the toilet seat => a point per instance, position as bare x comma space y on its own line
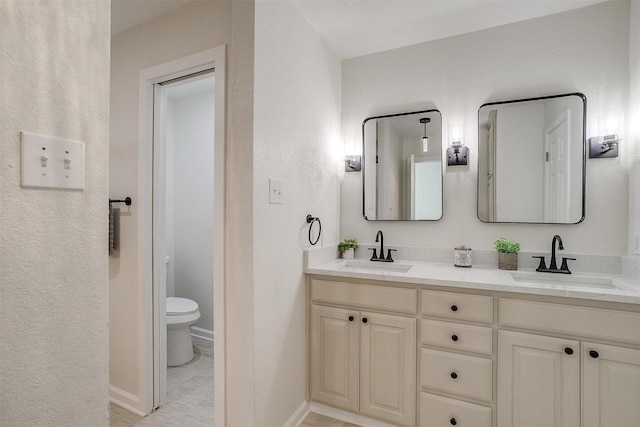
180, 306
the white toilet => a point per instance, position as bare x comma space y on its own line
181, 314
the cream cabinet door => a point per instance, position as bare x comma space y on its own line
334, 356
610, 386
388, 368
538, 381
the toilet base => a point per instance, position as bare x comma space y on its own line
179, 346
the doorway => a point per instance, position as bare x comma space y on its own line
153, 100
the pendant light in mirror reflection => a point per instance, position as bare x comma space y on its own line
425, 138
457, 153
402, 167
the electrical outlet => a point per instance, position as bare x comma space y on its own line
636, 244
276, 192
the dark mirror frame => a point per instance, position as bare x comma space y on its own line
584, 157
364, 168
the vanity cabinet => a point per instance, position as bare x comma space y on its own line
362, 360
560, 381
456, 367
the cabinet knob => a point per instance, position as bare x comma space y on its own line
350, 318
453, 421
364, 320
594, 354
454, 308
454, 338
568, 350
454, 375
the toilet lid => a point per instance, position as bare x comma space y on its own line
178, 306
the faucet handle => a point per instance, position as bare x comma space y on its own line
375, 254
389, 254
542, 266
564, 267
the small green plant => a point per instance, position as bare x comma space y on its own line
505, 246
347, 244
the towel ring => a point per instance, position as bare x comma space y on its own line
310, 221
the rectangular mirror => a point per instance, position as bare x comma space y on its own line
402, 167
531, 160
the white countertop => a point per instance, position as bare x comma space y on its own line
580, 285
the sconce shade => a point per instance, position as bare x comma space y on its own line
425, 138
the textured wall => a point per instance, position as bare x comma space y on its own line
296, 136
584, 50
190, 29
53, 243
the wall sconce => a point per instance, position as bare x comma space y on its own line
425, 138
601, 147
352, 163
457, 153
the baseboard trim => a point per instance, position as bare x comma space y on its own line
347, 417
125, 400
205, 334
298, 416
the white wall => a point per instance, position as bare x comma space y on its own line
296, 139
632, 141
53, 251
544, 56
190, 29
192, 203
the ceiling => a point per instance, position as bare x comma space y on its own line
359, 27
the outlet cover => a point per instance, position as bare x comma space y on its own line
636, 244
276, 191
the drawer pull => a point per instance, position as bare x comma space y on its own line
350, 318
594, 354
453, 421
364, 320
454, 375
454, 308
454, 338
568, 350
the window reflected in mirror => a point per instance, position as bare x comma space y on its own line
531, 160
402, 167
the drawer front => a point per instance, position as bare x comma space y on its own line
384, 298
464, 376
568, 319
438, 411
476, 308
458, 336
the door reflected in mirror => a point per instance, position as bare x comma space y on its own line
402, 167
531, 160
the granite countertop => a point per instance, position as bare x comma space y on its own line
590, 286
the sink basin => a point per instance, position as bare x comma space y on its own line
564, 280
392, 267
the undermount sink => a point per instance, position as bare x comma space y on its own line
565, 280
392, 267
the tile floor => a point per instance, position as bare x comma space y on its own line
190, 398
189, 395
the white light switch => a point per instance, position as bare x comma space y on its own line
50, 162
276, 191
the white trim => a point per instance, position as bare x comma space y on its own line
205, 334
125, 400
210, 58
345, 416
298, 416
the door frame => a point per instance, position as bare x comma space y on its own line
150, 310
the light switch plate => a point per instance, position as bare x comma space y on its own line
50, 162
276, 191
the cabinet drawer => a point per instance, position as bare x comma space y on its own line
457, 306
567, 319
465, 376
458, 336
438, 411
384, 298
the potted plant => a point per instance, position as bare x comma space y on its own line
347, 248
507, 254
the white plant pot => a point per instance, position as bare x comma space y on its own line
348, 254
